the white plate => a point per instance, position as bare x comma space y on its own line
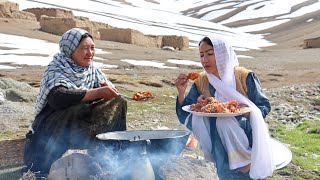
243, 111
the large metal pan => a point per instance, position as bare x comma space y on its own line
156, 141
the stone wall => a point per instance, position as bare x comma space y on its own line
157, 40
11, 10
132, 36
56, 25
52, 12
311, 43
59, 25
120, 35
129, 36
178, 42
6, 8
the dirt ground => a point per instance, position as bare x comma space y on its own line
283, 64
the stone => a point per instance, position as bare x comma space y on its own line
75, 165
178, 167
311, 43
11, 10
169, 48
2, 99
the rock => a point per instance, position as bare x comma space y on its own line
53, 12
317, 108
6, 8
129, 36
75, 165
20, 96
311, 43
287, 110
16, 105
59, 25
1, 98
7, 83
169, 48
178, 167
11, 10
16, 91
177, 42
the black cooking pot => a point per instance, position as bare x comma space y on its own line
155, 141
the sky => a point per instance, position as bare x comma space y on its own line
189, 18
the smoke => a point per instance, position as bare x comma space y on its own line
137, 159
121, 159
126, 160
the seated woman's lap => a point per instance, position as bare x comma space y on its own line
76, 128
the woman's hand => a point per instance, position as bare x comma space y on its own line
107, 92
103, 83
104, 91
181, 84
241, 105
246, 115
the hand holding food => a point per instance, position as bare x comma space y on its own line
181, 83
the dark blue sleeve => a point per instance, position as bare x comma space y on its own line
61, 97
256, 94
189, 99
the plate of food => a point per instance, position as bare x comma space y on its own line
211, 107
224, 114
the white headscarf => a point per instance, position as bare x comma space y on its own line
261, 155
62, 70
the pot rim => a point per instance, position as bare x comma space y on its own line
137, 135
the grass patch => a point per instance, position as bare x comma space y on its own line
164, 102
305, 147
310, 127
122, 81
316, 101
7, 134
170, 83
161, 108
153, 84
11, 173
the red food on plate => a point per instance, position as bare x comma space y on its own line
212, 105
